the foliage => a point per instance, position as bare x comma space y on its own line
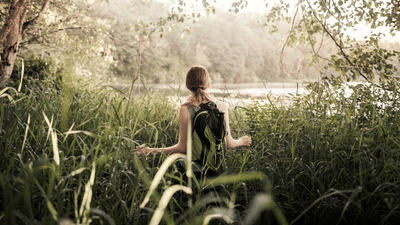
325, 157
159, 42
37, 71
353, 58
86, 173
62, 30
331, 155
328, 156
32, 153
143, 38
234, 48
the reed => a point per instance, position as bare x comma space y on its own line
329, 155
322, 157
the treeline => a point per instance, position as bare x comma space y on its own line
233, 47
128, 39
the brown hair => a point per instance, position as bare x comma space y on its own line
197, 81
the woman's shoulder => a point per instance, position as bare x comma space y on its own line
184, 107
184, 111
220, 104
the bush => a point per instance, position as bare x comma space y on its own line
38, 70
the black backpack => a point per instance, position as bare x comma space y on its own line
208, 139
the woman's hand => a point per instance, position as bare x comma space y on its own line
246, 141
141, 151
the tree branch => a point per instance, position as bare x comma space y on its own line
23, 16
38, 17
315, 55
37, 37
129, 44
338, 45
51, 25
284, 45
11, 19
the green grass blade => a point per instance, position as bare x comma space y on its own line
208, 218
87, 197
159, 175
159, 212
26, 134
261, 202
22, 75
50, 206
55, 148
234, 178
103, 214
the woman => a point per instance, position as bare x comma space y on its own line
197, 81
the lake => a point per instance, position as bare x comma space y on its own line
235, 94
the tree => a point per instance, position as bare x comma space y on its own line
25, 22
62, 29
22, 16
316, 22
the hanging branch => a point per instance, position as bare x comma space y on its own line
284, 45
52, 32
37, 18
339, 46
51, 25
315, 53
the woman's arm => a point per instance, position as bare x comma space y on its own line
180, 147
233, 143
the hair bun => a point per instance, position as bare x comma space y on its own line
196, 88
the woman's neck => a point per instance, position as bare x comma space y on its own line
197, 103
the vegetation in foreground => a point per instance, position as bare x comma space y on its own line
322, 158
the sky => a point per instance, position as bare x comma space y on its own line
258, 6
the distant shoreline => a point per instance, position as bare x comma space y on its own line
244, 90
261, 84
221, 86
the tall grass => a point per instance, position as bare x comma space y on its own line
326, 158
331, 158
103, 130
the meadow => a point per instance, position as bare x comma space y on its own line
325, 158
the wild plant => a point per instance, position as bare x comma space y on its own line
325, 156
330, 154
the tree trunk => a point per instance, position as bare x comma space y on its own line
11, 33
